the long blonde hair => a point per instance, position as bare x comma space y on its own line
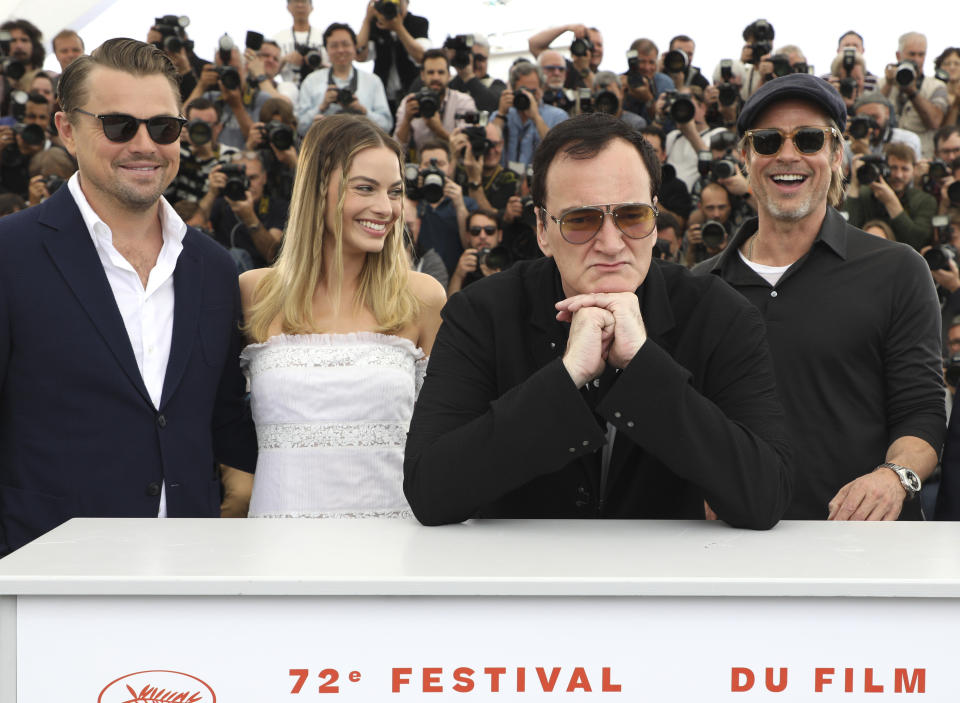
287, 290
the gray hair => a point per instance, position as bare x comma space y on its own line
904, 38
481, 40
524, 68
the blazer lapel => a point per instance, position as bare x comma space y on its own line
73, 253
187, 301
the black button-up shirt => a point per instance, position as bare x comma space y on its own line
854, 329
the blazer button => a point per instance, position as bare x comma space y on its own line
161, 421
153, 489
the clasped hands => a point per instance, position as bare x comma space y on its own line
605, 328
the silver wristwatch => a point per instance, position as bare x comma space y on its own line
908, 478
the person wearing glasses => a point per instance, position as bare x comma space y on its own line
853, 320
120, 386
484, 256
596, 382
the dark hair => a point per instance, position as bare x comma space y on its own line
679, 37
279, 107
272, 42
944, 133
644, 46
128, 55
37, 98
654, 131
38, 53
583, 137
434, 54
667, 220
435, 144
901, 151
201, 103
491, 214
848, 33
944, 54
11, 203
337, 26
187, 209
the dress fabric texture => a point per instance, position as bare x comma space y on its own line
332, 413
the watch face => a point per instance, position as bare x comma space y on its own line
913, 480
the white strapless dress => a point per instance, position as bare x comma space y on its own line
332, 413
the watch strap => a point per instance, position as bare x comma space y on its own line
908, 478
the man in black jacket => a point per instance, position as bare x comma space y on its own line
596, 382
396, 41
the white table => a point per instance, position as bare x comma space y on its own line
389, 610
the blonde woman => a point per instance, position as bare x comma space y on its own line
340, 329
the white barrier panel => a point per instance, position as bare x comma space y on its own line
205, 649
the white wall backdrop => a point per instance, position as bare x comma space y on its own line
814, 25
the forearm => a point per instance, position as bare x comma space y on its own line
480, 196
402, 133
243, 119
456, 282
931, 115
911, 231
914, 453
541, 41
414, 48
206, 202
265, 240
542, 127
689, 130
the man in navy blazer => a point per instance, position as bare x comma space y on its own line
120, 387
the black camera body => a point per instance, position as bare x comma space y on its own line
675, 61
861, 126
237, 182
606, 101
848, 87
760, 34
521, 100
462, 47
679, 106
229, 77
728, 94
277, 133
432, 180
428, 102
171, 29
907, 73
723, 168
31, 134
873, 168
12, 69
411, 181
581, 46
53, 183
713, 234
495, 259
199, 132
345, 97
635, 79
938, 258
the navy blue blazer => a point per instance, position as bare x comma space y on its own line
79, 435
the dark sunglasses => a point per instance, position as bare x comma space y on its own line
807, 140
122, 128
489, 229
580, 225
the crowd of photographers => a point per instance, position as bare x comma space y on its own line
470, 136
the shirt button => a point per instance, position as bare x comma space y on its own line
617, 414
573, 449
773, 294
161, 421
629, 423
553, 345
153, 489
596, 383
586, 442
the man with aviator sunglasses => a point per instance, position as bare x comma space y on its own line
853, 320
119, 383
597, 382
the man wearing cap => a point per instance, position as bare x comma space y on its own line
595, 382
853, 320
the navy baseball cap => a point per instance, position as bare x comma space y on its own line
801, 86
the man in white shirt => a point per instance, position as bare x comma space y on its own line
298, 41
342, 88
119, 328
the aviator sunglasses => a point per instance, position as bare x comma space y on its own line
580, 225
489, 229
122, 128
807, 140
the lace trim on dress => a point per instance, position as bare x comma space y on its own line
336, 340
344, 515
361, 434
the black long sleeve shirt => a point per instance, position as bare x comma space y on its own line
854, 330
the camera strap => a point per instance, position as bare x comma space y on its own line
351, 85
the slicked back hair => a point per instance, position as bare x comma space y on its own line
128, 55
581, 138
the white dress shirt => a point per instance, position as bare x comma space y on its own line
147, 312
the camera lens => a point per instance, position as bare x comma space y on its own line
199, 132
713, 234
682, 109
867, 174
521, 101
906, 73
953, 193
859, 128
937, 259
675, 61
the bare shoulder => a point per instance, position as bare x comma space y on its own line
248, 284
427, 289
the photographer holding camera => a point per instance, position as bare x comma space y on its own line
678, 63
342, 87
847, 75
481, 59
554, 70
873, 127
298, 41
442, 206
49, 171
490, 184
941, 176
711, 224
685, 107
431, 113
921, 101
200, 152
26, 52
586, 51
396, 41
522, 114
238, 100
168, 33
644, 82
274, 138
484, 255
18, 143
460, 54
243, 217
883, 190
608, 97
